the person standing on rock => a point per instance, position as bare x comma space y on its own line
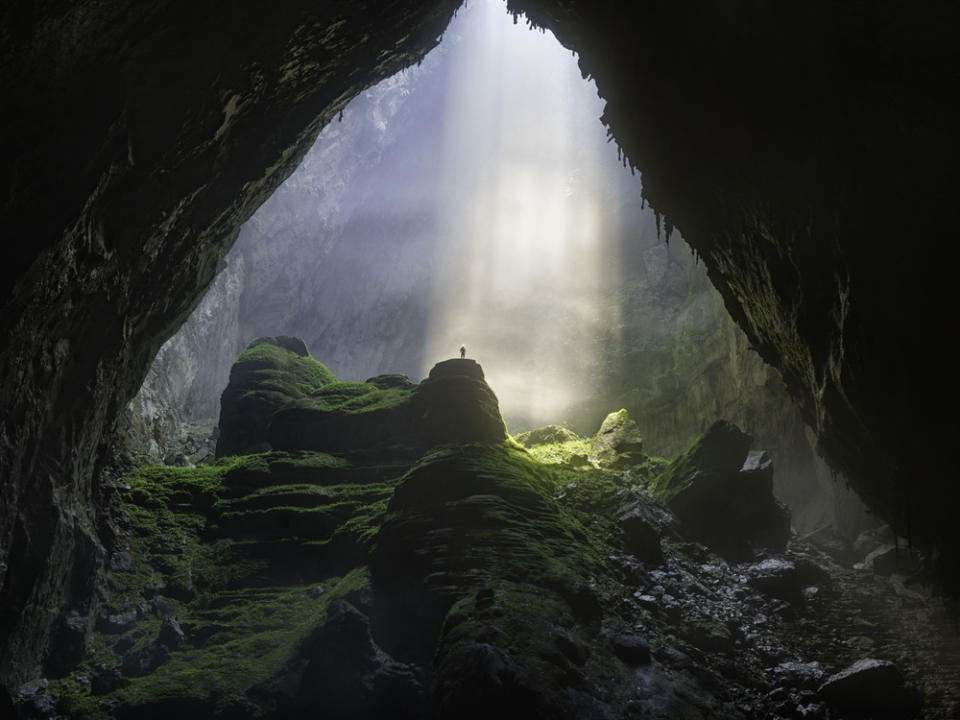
463, 352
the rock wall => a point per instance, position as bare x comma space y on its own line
135, 144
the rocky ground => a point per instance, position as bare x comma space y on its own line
425, 564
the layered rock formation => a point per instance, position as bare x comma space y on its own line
456, 577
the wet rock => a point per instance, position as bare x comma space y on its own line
723, 494
145, 659
804, 675
890, 559
36, 706
478, 680
632, 649
547, 435
171, 633
871, 688
642, 528
116, 623
776, 578
872, 538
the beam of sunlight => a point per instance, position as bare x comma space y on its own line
529, 246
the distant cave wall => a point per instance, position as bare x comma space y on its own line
807, 150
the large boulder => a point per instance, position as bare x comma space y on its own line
723, 493
871, 688
618, 433
453, 405
270, 372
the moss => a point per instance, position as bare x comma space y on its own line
243, 603
267, 375
355, 397
281, 370
561, 452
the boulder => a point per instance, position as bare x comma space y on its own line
546, 435
270, 372
643, 523
723, 494
889, 559
350, 675
618, 433
871, 688
631, 649
776, 578
802, 675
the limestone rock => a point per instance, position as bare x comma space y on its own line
889, 559
546, 435
453, 405
871, 688
776, 578
723, 493
270, 373
350, 675
618, 433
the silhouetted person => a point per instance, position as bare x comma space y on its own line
463, 351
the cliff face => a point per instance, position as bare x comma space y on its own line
154, 135
137, 141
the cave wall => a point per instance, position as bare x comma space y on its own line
806, 150
135, 142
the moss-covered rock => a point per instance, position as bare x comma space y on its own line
270, 372
546, 435
454, 404
724, 494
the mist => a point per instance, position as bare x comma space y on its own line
474, 200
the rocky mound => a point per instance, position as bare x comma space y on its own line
454, 404
270, 372
467, 581
724, 494
546, 435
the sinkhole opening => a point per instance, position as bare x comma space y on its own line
476, 200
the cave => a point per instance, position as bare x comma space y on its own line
804, 151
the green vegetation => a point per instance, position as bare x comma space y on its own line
277, 369
356, 397
247, 554
562, 452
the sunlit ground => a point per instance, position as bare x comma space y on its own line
529, 250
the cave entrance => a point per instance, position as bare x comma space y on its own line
475, 199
